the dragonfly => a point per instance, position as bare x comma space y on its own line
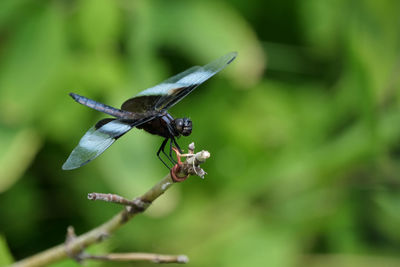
148, 110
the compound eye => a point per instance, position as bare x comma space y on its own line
188, 123
179, 124
187, 127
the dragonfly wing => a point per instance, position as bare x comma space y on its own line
187, 81
95, 141
172, 90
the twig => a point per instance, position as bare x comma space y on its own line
97, 234
71, 236
116, 199
157, 258
77, 244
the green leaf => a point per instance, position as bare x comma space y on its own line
18, 150
5, 254
208, 29
11, 9
31, 61
200, 30
98, 22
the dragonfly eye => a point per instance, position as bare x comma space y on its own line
187, 127
179, 124
183, 126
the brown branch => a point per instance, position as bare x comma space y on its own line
116, 199
75, 245
157, 258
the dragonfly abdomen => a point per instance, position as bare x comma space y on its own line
102, 107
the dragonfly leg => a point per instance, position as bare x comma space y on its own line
173, 141
170, 157
176, 144
162, 147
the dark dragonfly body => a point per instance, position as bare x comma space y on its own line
168, 127
147, 111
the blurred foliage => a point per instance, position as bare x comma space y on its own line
5, 256
305, 156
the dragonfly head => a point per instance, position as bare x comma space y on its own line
183, 126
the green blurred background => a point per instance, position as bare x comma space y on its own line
303, 128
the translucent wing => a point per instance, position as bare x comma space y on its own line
172, 90
95, 141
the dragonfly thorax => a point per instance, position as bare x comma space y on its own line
168, 127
